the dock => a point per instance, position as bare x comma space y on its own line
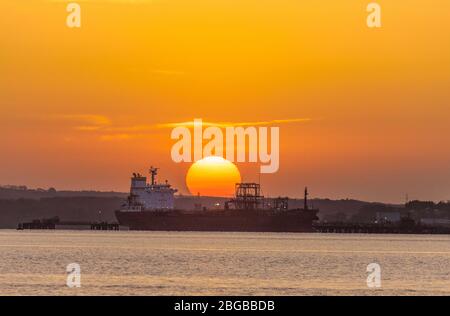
55, 224
372, 228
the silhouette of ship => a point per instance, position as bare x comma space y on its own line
150, 206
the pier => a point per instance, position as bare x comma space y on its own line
372, 228
55, 224
104, 226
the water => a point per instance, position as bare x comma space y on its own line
191, 263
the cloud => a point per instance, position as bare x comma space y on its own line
104, 128
235, 124
87, 122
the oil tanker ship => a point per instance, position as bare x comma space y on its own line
150, 206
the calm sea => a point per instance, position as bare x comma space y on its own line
191, 263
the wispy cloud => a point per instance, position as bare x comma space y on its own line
105, 129
87, 122
235, 124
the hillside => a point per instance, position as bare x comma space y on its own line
21, 205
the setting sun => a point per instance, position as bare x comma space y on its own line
212, 176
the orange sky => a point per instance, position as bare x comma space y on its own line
78, 106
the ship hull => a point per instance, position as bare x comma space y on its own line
225, 220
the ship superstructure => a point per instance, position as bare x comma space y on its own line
151, 196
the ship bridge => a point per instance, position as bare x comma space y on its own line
150, 196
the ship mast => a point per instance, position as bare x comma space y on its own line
153, 173
306, 199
